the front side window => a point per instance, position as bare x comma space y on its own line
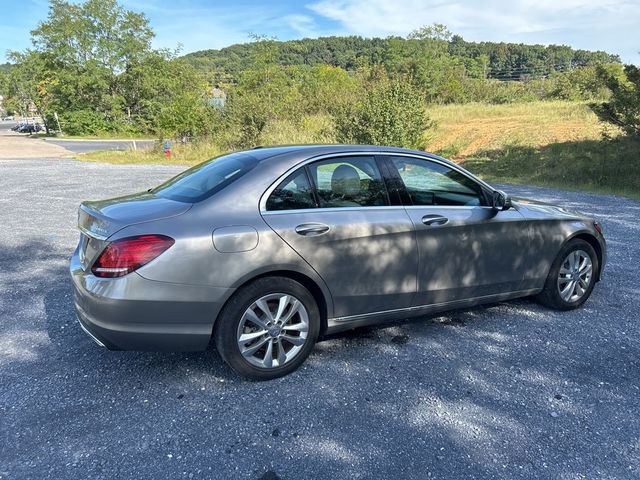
204, 180
430, 183
293, 193
348, 182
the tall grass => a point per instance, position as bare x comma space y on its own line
464, 130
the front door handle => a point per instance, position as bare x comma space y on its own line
312, 229
434, 220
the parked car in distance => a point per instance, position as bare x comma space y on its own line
264, 251
30, 128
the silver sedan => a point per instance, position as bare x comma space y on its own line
264, 251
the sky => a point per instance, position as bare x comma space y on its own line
609, 25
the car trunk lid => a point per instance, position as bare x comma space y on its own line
99, 220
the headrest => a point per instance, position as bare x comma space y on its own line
345, 181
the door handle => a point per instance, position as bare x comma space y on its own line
312, 229
434, 220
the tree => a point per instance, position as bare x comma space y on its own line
623, 108
32, 82
78, 53
95, 34
391, 113
265, 92
93, 64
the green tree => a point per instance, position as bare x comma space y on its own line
78, 53
32, 82
92, 63
623, 108
391, 113
264, 93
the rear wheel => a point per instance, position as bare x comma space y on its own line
268, 328
572, 276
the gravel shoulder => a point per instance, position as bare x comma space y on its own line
509, 390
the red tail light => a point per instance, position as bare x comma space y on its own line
128, 254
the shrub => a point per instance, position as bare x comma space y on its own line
623, 108
391, 113
84, 122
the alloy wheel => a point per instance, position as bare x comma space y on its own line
273, 330
576, 272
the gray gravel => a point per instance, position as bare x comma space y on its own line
510, 390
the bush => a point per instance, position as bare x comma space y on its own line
623, 108
391, 113
84, 122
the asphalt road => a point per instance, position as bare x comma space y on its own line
84, 146
510, 390
71, 145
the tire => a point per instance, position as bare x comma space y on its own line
253, 312
551, 295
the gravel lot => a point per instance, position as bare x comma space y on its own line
510, 390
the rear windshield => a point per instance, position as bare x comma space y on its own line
207, 178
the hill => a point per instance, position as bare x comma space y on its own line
504, 61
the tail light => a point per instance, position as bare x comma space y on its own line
128, 254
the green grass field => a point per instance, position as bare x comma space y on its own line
560, 144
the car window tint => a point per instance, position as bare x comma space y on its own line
207, 178
349, 182
430, 183
293, 193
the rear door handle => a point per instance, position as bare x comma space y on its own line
312, 229
434, 220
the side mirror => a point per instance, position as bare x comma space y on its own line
501, 201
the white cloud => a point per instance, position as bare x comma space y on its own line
303, 24
610, 25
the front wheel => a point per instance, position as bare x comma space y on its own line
268, 328
572, 276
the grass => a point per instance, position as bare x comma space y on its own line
560, 144
464, 130
603, 166
188, 154
310, 129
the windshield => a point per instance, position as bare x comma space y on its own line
207, 178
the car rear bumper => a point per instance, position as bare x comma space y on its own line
133, 313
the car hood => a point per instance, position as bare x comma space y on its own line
538, 209
103, 218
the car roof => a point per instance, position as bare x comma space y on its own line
268, 152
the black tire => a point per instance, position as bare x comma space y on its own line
226, 328
550, 295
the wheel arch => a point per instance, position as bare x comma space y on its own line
320, 294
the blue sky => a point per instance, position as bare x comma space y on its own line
610, 25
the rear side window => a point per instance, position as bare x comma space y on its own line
348, 182
293, 193
206, 179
